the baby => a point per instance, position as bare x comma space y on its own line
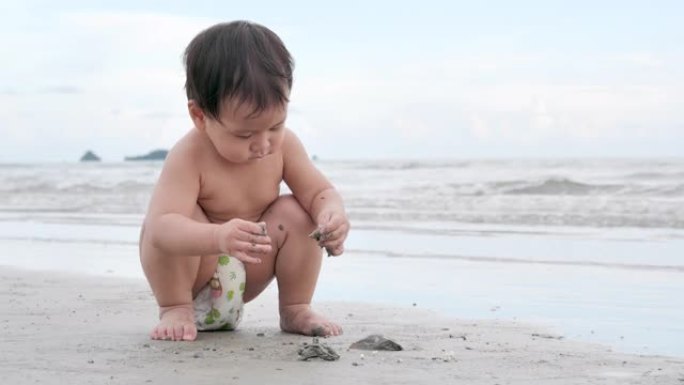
217, 230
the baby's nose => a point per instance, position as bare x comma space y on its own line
260, 145
260, 148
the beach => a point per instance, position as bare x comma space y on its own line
486, 272
71, 329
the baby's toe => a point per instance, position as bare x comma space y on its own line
178, 332
335, 330
154, 334
189, 332
166, 333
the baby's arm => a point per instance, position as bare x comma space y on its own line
173, 204
316, 194
171, 222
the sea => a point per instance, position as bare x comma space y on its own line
592, 249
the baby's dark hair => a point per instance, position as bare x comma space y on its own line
242, 60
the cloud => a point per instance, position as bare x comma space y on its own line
125, 81
61, 90
123, 76
7, 91
502, 98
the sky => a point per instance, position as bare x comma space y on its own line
373, 79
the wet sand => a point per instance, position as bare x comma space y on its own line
71, 329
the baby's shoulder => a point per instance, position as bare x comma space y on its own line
191, 145
187, 154
291, 142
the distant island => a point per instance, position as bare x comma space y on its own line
90, 156
154, 155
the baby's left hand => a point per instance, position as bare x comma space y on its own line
333, 227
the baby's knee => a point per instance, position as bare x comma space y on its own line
287, 207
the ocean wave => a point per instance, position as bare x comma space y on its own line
80, 241
398, 164
587, 218
563, 186
30, 187
654, 175
672, 191
554, 187
535, 193
59, 187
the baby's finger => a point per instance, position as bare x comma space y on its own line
333, 235
246, 258
337, 236
337, 220
335, 250
254, 238
253, 248
329, 244
253, 227
323, 219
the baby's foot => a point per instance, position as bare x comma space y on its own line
300, 319
176, 323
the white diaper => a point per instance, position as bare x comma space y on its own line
221, 309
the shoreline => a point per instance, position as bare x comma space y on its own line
632, 310
78, 329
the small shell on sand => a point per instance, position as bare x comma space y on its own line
317, 349
376, 342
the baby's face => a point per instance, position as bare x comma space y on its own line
242, 137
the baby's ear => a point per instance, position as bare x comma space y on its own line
197, 115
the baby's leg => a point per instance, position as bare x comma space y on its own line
296, 262
175, 281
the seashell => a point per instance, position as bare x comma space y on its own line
317, 235
318, 349
376, 342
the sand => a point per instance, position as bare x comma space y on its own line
72, 329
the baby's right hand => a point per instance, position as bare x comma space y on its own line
243, 240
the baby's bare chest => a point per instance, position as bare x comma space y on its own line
226, 195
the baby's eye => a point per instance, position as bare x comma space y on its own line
244, 136
276, 128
